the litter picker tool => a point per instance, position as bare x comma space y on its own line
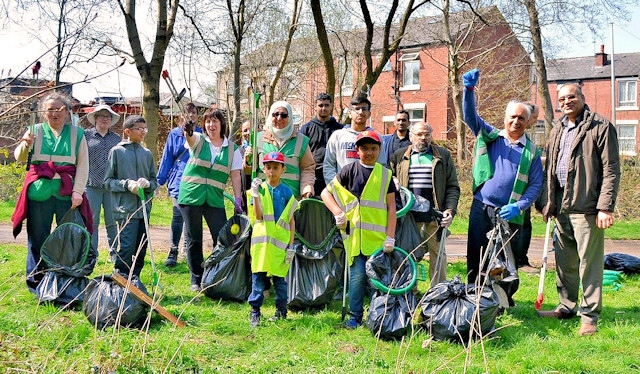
346, 275
543, 270
177, 97
156, 281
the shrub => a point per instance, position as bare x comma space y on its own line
12, 175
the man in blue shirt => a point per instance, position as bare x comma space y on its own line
507, 172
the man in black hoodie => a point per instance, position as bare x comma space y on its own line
319, 129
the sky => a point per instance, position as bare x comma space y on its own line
20, 52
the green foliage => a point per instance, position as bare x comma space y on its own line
12, 175
43, 338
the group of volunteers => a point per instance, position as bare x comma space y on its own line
354, 170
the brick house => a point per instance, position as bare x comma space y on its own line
593, 74
415, 77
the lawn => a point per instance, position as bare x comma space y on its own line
45, 339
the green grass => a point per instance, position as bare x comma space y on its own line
43, 338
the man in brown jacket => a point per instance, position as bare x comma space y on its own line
583, 175
427, 170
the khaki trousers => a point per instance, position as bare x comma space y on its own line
427, 230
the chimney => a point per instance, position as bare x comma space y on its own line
601, 57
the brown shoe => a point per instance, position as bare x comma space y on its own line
587, 329
555, 314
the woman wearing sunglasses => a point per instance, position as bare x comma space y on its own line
279, 135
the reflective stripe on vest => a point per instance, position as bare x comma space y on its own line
58, 159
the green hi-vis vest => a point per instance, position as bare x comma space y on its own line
61, 150
483, 168
204, 179
293, 149
367, 218
269, 239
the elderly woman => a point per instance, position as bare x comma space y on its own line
280, 136
100, 140
213, 159
55, 181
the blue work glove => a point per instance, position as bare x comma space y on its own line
238, 205
509, 211
470, 78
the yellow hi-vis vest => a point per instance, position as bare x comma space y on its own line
293, 150
204, 179
269, 238
62, 150
367, 218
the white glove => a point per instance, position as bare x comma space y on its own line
397, 183
389, 244
133, 187
143, 183
290, 255
447, 218
341, 221
255, 187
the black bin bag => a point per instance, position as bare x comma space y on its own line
68, 259
449, 310
227, 271
390, 316
317, 266
105, 298
625, 263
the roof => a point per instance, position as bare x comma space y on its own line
576, 68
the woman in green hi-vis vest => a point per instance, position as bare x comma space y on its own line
280, 135
212, 160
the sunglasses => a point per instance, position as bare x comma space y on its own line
281, 115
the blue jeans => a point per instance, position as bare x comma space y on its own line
131, 233
39, 219
192, 214
357, 286
258, 282
99, 198
177, 225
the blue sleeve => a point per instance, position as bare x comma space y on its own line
470, 114
168, 159
534, 186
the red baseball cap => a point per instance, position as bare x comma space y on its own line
372, 136
273, 157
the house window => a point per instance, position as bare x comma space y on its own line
627, 93
387, 65
627, 138
345, 75
415, 115
411, 71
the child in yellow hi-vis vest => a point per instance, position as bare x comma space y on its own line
362, 199
272, 237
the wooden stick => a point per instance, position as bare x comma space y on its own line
140, 295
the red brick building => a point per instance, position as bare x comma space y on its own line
593, 74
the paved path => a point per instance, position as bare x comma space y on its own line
456, 244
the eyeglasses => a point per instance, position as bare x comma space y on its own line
360, 109
422, 134
566, 99
278, 114
141, 129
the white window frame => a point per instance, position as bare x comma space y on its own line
628, 103
387, 66
410, 58
413, 109
630, 124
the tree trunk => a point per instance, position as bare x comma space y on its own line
327, 55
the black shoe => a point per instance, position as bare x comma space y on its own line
172, 258
254, 319
280, 314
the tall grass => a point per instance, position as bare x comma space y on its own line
45, 339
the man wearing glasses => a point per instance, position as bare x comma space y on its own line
583, 176
341, 147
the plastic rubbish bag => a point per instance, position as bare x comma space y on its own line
103, 301
408, 237
68, 259
389, 315
625, 263
316, 271
501, 265
227, 271
448, 310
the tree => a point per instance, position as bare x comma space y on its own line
150, 70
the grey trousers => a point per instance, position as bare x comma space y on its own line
437, 274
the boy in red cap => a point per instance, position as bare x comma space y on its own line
272, 236
362, 199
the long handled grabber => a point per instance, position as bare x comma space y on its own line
156, 281
346, 276
543, 270
177, 97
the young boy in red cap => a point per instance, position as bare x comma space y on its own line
362, 199
272, 236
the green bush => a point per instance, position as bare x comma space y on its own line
12, 175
